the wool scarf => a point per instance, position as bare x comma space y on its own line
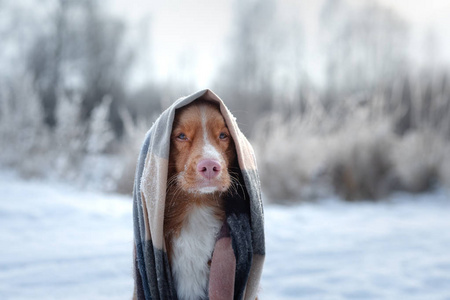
243, 227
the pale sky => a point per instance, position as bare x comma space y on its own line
424, 16
189, 36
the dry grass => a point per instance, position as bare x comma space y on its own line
361, 147
395, 140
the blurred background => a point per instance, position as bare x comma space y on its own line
346, 102
338, 96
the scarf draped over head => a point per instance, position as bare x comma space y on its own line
244, 221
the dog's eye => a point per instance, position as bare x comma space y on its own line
182, 137
223, 135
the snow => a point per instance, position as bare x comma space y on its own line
57, 242
334, 250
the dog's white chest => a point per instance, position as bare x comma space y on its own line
192, 250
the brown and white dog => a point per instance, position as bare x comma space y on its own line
202, 153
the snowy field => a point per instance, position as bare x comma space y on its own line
60, 243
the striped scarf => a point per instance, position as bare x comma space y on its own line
244, 222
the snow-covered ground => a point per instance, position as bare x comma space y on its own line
60, 243
398, 249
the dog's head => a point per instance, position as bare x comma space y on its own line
201, 149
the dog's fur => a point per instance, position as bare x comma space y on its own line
202, 153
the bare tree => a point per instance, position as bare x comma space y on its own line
246, 78
83, 54
365, 45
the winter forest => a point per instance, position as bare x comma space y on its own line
369, 119
346, 103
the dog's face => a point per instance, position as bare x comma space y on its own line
201, 149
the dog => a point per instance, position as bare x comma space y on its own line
202, 157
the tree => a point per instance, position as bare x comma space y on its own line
246, 78
365, 45
81, 55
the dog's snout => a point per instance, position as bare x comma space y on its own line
209, 168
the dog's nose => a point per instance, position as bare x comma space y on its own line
209, 168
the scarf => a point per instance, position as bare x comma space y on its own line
244, 222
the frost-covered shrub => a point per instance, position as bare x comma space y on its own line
444, 168
290, 162
421, 160
69, 139
23, 138
360, 162
354, 147
129, 151
101, 134
291, 155
309, 157
63, 152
